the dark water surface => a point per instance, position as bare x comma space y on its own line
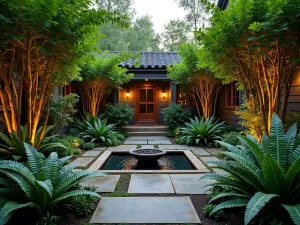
170, 161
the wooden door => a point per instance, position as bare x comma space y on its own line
146, 104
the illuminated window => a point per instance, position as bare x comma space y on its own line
232, 97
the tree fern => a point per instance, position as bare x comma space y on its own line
43, 185
294, 211
235, 203
256, 203
272, 167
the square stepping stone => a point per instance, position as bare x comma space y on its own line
91, 153
137, 138
150, 183
159, 142
213, 151
174, 147
147, 146
208, 159
84, 161
103, 184
200, 151
157, 138
99, 149
128, 142
122, 148
143, 210
190, 184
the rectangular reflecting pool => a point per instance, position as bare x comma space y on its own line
125, 161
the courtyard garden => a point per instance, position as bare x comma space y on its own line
82, 158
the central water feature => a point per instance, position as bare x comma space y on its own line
168, 161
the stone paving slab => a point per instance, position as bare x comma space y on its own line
173, 147
103, 184
159, 142
200, 152
122, 148
189, 184
213, 151
84, 161
157, 138
145, 210
137, 138
150, 184
147, 146
208, 159
91, 153
128, 142
99, 149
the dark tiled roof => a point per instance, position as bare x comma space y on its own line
222, 4
154, 60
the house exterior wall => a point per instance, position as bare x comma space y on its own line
227, 114
294, 98
132, 99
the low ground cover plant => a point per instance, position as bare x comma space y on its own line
42, 185
201, 131
262, 177
88, 146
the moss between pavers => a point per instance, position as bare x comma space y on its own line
121, 188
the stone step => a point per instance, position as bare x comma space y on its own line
148, 133
147, 129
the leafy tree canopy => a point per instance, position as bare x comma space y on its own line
140, 36
176, 32
106, 66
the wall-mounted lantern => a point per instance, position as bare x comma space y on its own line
127, 93
164, 93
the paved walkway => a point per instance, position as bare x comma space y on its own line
144, 140
172, 209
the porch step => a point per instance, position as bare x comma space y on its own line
148, 133
147, 130
154, 128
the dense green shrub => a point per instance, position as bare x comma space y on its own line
99, 132
262, 177
62, 110
201, 132
82, 205
175, 116
88, 146
231, 138
125, 133
43, 185
291, 118
13, 145
120, 137
119, 114
171, 133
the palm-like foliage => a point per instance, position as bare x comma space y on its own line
80, 125
99, 131
260, 173
13, 145
203, 131
42, 185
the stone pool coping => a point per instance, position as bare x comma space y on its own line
200, 167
